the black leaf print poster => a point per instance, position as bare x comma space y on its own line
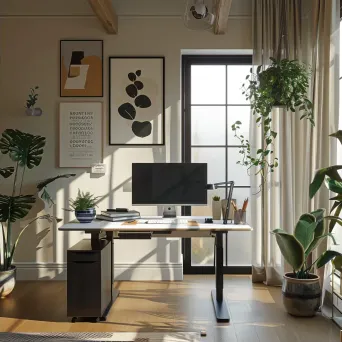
136, 101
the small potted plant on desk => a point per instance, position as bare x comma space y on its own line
301, 288
216, 208
84, 206
31, 110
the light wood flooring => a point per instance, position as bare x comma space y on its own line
256, 311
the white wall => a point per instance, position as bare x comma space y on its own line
29, 55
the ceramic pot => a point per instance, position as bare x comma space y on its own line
216, 210
301, 297
85, 216
7, 281
34, 111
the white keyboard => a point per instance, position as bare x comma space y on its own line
167, 221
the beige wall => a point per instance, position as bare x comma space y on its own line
29, 55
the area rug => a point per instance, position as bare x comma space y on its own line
100, 337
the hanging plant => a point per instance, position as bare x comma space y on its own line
284, 83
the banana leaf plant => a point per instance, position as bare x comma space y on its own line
309, 232
331, 178
26, 151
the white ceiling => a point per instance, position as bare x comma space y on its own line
122, 7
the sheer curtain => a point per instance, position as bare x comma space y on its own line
301, 148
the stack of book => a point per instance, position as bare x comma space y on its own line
117, 216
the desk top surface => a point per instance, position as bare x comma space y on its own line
196, 224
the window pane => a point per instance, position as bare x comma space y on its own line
215, 158
236, 172
236, 78
208, 84
238, 113
240, 243
208, 125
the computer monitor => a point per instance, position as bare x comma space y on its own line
169, 183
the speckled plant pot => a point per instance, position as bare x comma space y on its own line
7, 281
301, 297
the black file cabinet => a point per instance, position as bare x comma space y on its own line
89, 285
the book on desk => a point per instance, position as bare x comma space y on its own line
118, 216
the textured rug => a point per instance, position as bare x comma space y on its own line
100, 337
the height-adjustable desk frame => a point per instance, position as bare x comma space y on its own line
196, 228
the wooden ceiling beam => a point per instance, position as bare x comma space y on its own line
106, 14
222, 9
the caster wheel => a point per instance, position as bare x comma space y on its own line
103, 319
73, 320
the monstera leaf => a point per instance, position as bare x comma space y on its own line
15, 208
24, 148
6, 171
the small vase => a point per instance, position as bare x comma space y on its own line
216, 210
85, 216
7, 281
34, 111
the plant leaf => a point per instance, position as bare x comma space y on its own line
47, 181
24, 148
326, 257
15, 208
319, 177
333, 185
6, 171
291, 249
337, 135
304, 232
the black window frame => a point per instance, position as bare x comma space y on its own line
187, 62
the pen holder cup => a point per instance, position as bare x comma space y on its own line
239, 217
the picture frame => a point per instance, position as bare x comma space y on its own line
80, 134
81, 68
136, 100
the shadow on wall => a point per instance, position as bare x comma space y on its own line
50, 244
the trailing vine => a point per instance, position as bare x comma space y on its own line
284, 83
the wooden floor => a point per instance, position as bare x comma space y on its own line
256, 311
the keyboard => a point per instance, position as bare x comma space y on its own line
167, 221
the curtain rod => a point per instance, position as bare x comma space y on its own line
124, 16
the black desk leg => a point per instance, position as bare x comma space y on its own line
220, 305
115, 293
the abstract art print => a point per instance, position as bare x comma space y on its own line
136, 101
81, 68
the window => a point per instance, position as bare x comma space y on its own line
213, 101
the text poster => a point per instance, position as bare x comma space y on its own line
80, 134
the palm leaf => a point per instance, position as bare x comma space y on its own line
24, 148
15, 208
6, 171
45, 182
336, 214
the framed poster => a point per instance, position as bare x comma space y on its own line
80, 134
81, 68
137, 101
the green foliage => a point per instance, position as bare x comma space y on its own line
309, 232
26, 151
216, 198
83, 201
283, 83
32, 97
331, 178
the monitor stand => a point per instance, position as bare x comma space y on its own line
169, 212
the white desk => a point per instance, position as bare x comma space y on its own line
195, 228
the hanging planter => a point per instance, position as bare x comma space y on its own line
283, 84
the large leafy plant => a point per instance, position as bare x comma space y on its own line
83, 201
26, 151
309, 232
283, 83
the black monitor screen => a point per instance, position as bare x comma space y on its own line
163, 183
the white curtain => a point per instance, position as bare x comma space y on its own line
301, 148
